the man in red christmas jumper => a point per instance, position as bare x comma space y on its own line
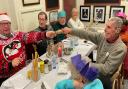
12, 47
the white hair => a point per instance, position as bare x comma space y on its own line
118, 22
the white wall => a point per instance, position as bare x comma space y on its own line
5, 7
100, 26
24, 18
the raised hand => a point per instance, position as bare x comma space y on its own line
50, 34
16, 61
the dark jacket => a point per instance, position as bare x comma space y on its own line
59, 37
42, 45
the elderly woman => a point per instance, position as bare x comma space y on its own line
124, 37
74, 22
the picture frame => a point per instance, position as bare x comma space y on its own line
85, 13
116, 9
102, 2
52, 5
30, 2
99, 14
53, 16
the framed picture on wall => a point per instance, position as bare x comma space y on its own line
30, 2
103, 2
51, 4
53, 16
115, 9
99, 13
85, 13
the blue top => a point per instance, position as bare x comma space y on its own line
65, 84
68, 84
95, 84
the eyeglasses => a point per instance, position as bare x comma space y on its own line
8, 23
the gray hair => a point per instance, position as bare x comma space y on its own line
118, 22
74, 73
74, 9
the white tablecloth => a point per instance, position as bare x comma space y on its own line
20, 81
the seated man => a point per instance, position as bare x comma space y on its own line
59, 25
12, 47
43, 27
110, 51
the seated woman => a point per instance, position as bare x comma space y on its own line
85, 76
74, 22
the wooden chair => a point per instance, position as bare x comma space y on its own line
115, 84
118, 78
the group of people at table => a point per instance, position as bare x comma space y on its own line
111, 50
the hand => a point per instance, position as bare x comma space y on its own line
50, 34
16, 61
67, 30
59, 32
87, 59
78, 84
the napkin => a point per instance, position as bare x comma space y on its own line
16, 82
62, 68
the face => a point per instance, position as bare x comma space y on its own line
5, 27
110, 31
62, 20
42, 21
74, 14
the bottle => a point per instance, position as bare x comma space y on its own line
35, 74
54, 61
42, 66
59, 52
46, 70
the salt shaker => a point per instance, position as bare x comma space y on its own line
49, 66
46, 70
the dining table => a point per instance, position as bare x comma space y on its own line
48, 80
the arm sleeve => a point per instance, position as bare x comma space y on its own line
33, 37
50, 28
65, 84
79, 25
113, 62
95, 37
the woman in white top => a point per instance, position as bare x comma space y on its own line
74, 22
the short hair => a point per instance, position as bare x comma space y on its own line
118, 22
74, 9
42, 13
74, 72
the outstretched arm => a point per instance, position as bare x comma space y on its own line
33, 37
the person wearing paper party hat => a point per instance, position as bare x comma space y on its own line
85, 76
